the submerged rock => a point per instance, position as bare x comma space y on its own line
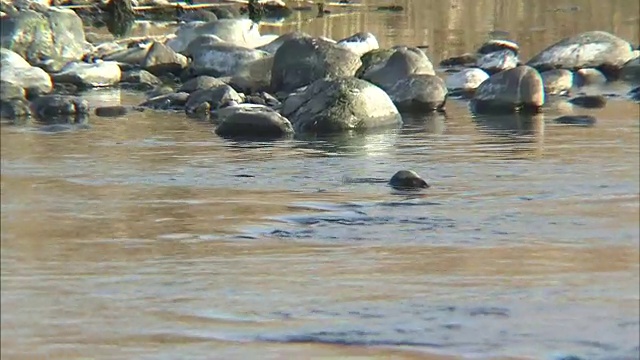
55, 33
47, 106
466, 81
254, 122
592, 49
407, 180
105, 73
579, 120
590, 101
520, 88
419, 93
301, 61
557, 81
340, 105
16, 70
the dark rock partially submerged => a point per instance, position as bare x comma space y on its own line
590, 101
254, 121
48, 106
407, 180
579, 120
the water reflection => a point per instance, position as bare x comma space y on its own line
372, 143
431, 123
523, 127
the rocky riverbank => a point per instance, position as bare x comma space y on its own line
253, 85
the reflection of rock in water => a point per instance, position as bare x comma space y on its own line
371, 143
431, 123
517, 124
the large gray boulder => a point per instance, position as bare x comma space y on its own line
161, 60
402, 63
300, 61
520, 88
497, 61
465, 81
253, 122
419, 93
598, 49
631, 70
340, 105
56, 33
360, 43
223, 59
16, 70
241, 32
86, 75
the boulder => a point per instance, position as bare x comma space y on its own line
134, 55
140, 80
497, 61
403, 62
216, 97
520, 88
373, 60
275, 44
407, 180
10, 91
557, 81
419, 93
241, 32
172, 101
253, 76
223, 59
201, 82
161, 60
631, 71
592, 49
301, 61
48, 106
466, 81
16, 70
81, 74
496, 45
360, 43
588, 76
340, 105
56, 33
254, 122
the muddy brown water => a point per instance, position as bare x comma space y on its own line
136, 239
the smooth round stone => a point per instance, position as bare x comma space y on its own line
407, 180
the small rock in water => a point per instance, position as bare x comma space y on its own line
407, 179
111, 111
590, 101
589, 76
557, 81
580, 120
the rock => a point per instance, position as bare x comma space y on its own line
240, 32
404, 62
498, 45
274, 45
373, 60
360, 43
634, 93
252, 77
198, 15
631, 71
592, 49
104, 73
57, 33
419, 93
462, 60
588, 76
161, 59
216, 97
201, 82
407, 180
14, 108
466, 81
557, 81
172, 101
223, 59
227, 12
139, 79
111, 111
10, 91
580, 120
262, 98
16, 70
340, 105
47, 106
254, 122
520, 88
201, 41
590, 101
497, 61
133, 55
301, 61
